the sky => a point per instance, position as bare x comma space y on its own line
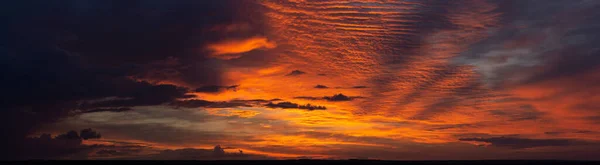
289, 79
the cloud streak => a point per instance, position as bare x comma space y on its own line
237, 46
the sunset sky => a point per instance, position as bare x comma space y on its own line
277, 79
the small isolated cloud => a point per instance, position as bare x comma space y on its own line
228, 47
286, 105
519, 143
296, 73
359, 87
216, 88
321, 86
336, 97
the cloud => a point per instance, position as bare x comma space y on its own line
524, 112
402, 57
538, 44
140, 94
120, 109
321, 86
86, 134
437, 107
308, 98
236, 46
520, 143
195, 103
215, 88
108, 152
359, 87
286, 105
336, 97
296, 73
47, 147
282, 105
203, 154
66, 58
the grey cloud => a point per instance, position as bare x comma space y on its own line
548, 37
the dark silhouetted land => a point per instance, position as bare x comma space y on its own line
316, 162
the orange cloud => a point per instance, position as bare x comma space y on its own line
239, 46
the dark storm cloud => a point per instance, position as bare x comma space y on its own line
56, 54
519, 143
